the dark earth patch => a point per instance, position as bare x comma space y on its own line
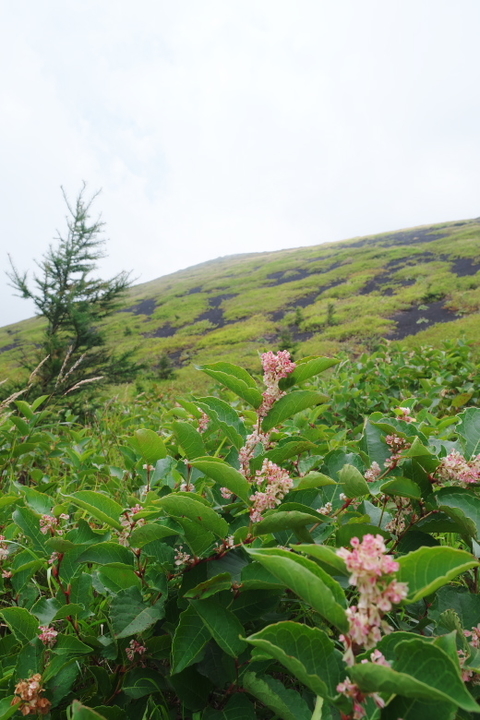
283, 276
215, 313
12, 346
218, 299
194, 290
407, 320
303, 301
162, 332
145, 307
412, 237
465, 266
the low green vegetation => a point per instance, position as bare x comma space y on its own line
419, 286
296, 543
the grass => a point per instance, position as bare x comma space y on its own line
234, 307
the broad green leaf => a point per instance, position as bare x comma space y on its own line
286, 704
191, 688
421, 670
70, 645
237, 708
8, 500
150, 445
7, 710
402, 486
328, 558
223, 415
144, 534
22, 623
118, 577
411, 709
236, 379
197, 537
180, 506
290, 405
283, 520
210, 587
38, 501
106, 553
222, 624
189, 439
82, 712
131, 615
346, 532
428, 568
306, 652
29, 522
140, 682
464, 500
285, 451
225, 475
354, 484
100, 506
191, 636
308, 580
313, 480
469, 430
306, 368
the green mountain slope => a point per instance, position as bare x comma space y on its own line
421, 285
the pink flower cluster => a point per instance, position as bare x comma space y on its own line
276, 483
48, 636
373, 472
349, 689
182, 557
135, 648
246, 453
454, 468
3, 548
371, 572
203, 422
397, 446
405, 414
473, 636
275, 367
129, 522
51, 524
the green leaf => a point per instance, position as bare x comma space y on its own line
131, 615
306, 652
180, 506
82, 712
237, 708
144, 534
454, 499
313, 480
225, 417
290, 405
100, 506
236, 379
308, 580
189, 439
346, 532
354, 484
286, 704
469, 430
283, 520
107, 552
328, 558
210, 587
225, 475
288, 449
411, 709
306, 368
23, 624
150, 445
421, 670
402, 486
428, 568
140, 682
222, 624
29, 522
118, 577
191, 636
70, 645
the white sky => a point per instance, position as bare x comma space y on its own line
225, 126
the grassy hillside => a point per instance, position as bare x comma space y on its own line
420, 285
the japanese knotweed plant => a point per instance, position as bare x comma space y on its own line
234, 564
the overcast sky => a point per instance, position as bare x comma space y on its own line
225, 126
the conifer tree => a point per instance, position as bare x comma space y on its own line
74, 303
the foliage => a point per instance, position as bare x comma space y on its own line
74, 304
206, 559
